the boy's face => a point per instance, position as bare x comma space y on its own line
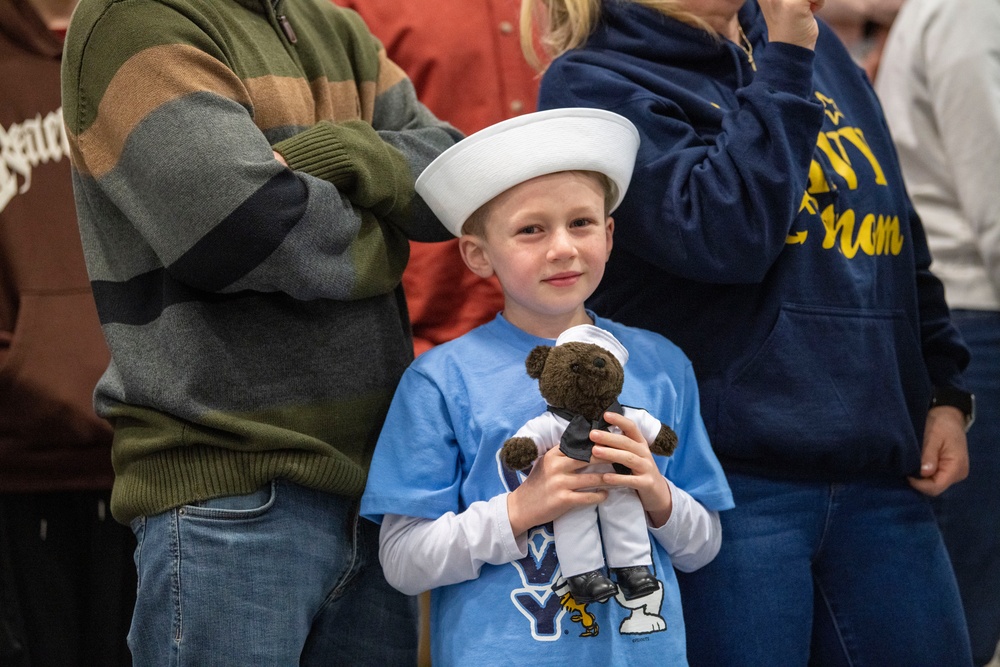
547, 241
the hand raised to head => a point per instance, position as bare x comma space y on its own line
792, 21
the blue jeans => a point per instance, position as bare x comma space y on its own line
283, 576
825, 574
968, 512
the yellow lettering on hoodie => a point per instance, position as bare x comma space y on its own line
875, 236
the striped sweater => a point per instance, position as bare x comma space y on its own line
253, 312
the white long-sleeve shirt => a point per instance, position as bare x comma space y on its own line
940, 86
420, 554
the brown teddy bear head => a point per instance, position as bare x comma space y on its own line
580, 377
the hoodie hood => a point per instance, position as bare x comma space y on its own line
652, 36
21, 24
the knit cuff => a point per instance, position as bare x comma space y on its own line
320, 152
352, 156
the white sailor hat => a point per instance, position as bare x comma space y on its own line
588, 333
484, 164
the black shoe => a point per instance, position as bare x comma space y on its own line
591, 587
635, 582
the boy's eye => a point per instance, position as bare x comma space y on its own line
530, 229
580, 222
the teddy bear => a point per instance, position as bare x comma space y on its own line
581, 377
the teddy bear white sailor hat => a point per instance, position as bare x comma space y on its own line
588, 333
484, 164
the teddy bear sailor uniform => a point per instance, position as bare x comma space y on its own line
581, 378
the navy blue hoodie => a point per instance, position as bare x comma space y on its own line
767, 232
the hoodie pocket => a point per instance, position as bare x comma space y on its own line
830, 391
52, 361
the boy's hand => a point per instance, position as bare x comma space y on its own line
630, 449
551, 489
945, 458
792, 21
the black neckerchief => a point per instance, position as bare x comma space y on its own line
575, 441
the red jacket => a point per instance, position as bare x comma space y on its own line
51, 348
464, 58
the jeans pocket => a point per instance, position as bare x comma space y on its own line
235, 508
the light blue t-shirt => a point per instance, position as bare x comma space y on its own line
438, 453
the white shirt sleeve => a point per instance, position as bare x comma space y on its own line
420, 554
963, 80
545, 430
647, 424
692, 535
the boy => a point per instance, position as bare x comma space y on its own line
453, 518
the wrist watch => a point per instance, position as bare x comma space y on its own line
956, 398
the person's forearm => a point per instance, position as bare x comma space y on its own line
420, 554
692, 536
710, 208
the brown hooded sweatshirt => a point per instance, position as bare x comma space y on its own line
52, 351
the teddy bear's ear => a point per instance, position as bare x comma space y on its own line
536, 361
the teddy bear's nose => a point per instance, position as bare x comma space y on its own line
599, 362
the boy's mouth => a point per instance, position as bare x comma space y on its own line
563, 279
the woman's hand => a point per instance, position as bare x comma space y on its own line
792, 21
945, 458
631, 450
551, 489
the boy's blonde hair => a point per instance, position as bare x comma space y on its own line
564, 25
476, 223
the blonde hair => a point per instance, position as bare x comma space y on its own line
475, 224
564, 25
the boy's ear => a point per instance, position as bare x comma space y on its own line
474, 255
610, 231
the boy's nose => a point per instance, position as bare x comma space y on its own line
561, 246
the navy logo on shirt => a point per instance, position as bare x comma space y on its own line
844, 159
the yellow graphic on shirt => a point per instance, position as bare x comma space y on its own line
644, 613
580, 615
830, 107
876, 234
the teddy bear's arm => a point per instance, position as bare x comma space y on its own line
518, 453
661, 438
531, 441
665, 442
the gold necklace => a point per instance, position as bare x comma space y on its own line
747, 47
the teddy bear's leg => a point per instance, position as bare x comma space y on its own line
591, 586
626, 542
581, 558
635, 582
